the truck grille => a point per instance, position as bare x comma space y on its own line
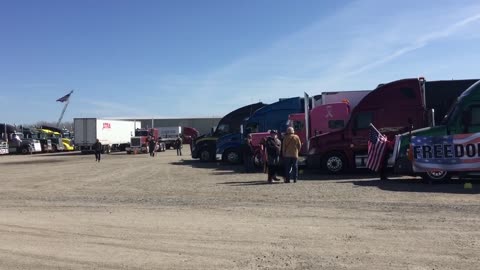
135, 142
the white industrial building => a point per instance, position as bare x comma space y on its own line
202, 124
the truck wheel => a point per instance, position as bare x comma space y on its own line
432, 176
258, 160
54, 148
334, 163
232, 156
25, 150
205, 155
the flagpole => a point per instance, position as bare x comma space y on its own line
64, 108
374, 128
63, 111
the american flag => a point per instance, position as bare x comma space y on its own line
377, 146
65, 98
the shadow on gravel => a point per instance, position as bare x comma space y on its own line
76, 153
38, 161
416, 185
248, 183
218, 166
59, 154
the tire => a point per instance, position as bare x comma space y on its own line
258, 160
54, 148
205, 155
25, 150
334, 163
232, 157
436, 176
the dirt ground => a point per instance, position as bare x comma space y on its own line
136, 212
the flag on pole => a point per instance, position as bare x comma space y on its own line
65, 98
377, 148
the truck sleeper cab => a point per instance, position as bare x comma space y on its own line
273, 116
204, 147
392, 108
463, 118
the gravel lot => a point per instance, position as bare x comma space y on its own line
65, 211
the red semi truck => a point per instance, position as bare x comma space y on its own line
393, 108
139, 142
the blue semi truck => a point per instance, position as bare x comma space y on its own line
273, 116
203, 147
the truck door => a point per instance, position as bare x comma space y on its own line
360, 132
469, 120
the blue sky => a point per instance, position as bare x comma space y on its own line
206, 58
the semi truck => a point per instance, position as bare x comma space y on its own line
393, 108
204, 147
273, 116
168, 135
113, 134
445, 150
34, 133
3, 147
59, 137
330, 113
17, 143
189, 134
139, 142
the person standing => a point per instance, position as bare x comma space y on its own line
151, 146
291, 147
248, 152
272, 147
97, 148
179, 145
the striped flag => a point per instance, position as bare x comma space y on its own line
377, 148
65, 98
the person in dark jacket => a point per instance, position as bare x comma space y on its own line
248, 153
179, 145
272, 148
97, 148
151, 146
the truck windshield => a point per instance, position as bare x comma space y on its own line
451, 112
141, 133
222, 129
19, 136
251, 128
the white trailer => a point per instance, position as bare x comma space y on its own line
113, 134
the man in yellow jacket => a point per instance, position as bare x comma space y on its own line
290, 148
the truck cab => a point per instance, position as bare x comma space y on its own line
323, 119
59, 138
463, 120
273, 116
204, 147
17, 142
393, 108
139, 142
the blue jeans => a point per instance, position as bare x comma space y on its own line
291, 169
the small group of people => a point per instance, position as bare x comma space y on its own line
275, 152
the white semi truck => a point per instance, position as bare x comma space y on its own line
113, 134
